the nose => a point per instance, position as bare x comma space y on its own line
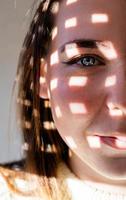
116, 98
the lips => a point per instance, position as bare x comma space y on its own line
118, 142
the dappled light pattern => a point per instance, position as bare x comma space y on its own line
78, 81
54, 32
116, 112
72, 22
27, 124
121, 142
71, 50
69, 2
25, 146
94, 142
99, 18
77, 108
113, 111
70, 141
110, 81
58, 112
108, 50
53, 84
55, 8
54, 59
42, 80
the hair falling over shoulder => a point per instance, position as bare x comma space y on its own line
45, 146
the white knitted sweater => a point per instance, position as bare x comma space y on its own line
70, 188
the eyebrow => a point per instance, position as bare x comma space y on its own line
86, 43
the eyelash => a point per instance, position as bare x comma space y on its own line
79, 58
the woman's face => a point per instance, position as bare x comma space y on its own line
86, 78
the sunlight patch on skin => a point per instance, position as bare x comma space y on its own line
70, 142
54, 32
70, 2
94, 142
53, 84
78, 81
58, 112
110, 81
77, 108
116, 112
99, 18
71, 50
72, 22
121, 143
108, 50
54, 58
42, 80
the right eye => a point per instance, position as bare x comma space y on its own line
86, 61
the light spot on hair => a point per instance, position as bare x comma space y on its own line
35, 112
54, 59
77, 108
54, 32
46, 4
110, 81
70, 2
36, 18
48, 148
70, 153
27, 125
108, 50
53, 84
27, 102
72, 22
94, 142
17, 78
44, 64
78, 81
55, 8
49, 125
99, 18
40, 29
31, 61
33, 37
31, 86
25, 146
20, 101
58, 112
70, 141
47, 104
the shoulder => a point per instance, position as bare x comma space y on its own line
18, 185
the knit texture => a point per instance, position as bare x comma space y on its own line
69, 187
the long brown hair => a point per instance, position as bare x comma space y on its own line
45, 146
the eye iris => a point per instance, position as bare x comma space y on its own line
88, 61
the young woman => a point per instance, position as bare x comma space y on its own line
72, 101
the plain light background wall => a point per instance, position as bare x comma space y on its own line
13, 24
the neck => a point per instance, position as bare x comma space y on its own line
83, 172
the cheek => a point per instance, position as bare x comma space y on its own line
75, 105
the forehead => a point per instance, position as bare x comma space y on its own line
97, 19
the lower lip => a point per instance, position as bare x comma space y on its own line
114, 142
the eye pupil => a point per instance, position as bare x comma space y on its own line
88, 61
